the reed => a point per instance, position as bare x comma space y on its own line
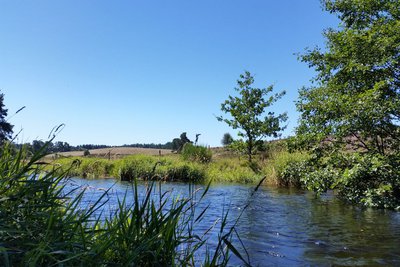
43, 225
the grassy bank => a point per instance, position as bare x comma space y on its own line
43, 225
223, 166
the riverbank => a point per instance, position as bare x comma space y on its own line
225, 166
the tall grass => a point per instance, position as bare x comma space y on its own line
231, 170
196, 153
43, 225
275, 165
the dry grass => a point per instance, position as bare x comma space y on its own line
115, 152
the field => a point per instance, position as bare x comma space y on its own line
115, 152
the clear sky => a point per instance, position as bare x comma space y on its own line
122, 72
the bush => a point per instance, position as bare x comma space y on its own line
284, 168
293, 173
86, 153
196, 153
372, 180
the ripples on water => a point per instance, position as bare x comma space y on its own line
283, 227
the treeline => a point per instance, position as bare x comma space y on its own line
60, 146
55, 147
167, 145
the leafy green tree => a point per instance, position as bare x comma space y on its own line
227, 139
6, 129
356, 93
248, 113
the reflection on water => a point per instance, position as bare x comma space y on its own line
283, 227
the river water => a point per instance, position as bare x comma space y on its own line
285, 227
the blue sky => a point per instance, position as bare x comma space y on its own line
122, 72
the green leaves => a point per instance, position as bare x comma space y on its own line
248, 112
357, 91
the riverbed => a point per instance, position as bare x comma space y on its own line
281, 227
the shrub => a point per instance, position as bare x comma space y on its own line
284, 168
293, 173
196, 153
372, 180
86, 153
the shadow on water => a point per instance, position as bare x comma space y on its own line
283, 227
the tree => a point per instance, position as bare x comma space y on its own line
184, 138
6, 129
37, 145
248, 113
356, 93
178, 143
227, 139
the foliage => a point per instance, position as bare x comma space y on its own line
196, 153
238, 146
286, 168
227, 139
179, 143
6, 129
43, 225
350, 117
248, 113
372, 180
357, 94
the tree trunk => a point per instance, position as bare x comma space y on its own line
250, 149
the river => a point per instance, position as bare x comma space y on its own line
285, 227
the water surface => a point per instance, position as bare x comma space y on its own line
283, 227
